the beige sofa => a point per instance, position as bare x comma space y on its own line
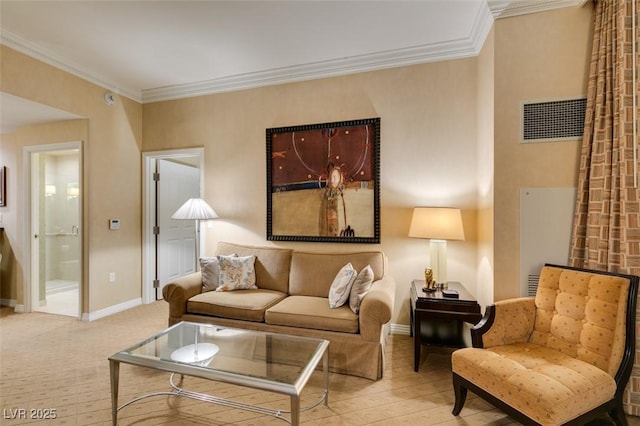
561, 357
292, 298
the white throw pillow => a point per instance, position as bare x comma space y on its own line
360, 287
236, 273
341, 286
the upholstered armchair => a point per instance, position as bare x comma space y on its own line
561, 357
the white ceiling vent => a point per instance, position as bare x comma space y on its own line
552, 121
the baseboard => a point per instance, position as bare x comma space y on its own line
400, 329
92, 316
8, 302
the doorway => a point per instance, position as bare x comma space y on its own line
170, 178
55, 201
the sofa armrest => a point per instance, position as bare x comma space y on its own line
505, 322
177, 292
376, 308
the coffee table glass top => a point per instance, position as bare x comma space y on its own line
223, 352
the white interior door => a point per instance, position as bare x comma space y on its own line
176, 240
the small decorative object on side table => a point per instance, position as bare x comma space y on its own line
437, 318
429, 282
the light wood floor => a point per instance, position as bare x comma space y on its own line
54, 362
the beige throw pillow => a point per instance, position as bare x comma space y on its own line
360, 287
210, 273
341, 286
236, 273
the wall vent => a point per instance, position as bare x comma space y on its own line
532, 284
547, 121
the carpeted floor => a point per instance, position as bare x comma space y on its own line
57, 364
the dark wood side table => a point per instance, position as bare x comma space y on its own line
438, 320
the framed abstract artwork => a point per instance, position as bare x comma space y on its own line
323, 182
3, 186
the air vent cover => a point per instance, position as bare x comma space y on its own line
532, 284
548, 121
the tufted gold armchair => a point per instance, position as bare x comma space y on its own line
561, 357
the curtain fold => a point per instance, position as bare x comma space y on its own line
606, 227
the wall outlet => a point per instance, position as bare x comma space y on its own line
112, 277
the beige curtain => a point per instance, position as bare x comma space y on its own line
606, 229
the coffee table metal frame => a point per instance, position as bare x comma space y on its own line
293, 390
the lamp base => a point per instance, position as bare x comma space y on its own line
428, 289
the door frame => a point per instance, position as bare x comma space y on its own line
149, 210
28, 151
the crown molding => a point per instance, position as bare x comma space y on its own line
312, 71
455, 49
38, 52
508, 8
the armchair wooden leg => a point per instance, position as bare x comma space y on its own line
618, 415
460, 393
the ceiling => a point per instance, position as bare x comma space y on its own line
16, 112
152, 50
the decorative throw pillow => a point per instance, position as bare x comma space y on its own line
236, 273
210, 273
360, 287
341, 286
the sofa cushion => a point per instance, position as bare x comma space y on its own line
312, 312
236, 273
313, 273
247, 305
546, 385
272, 264
341, 286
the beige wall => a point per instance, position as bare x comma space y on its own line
537, 57
13, 264
449, 138
112, 183
485, 183
428, 153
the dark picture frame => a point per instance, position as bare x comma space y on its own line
3, 186
323, 182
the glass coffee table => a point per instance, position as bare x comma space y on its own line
266, 361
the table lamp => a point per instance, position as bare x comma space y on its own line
437, 224
195, 209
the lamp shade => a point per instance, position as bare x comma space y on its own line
436, 223
195, 209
